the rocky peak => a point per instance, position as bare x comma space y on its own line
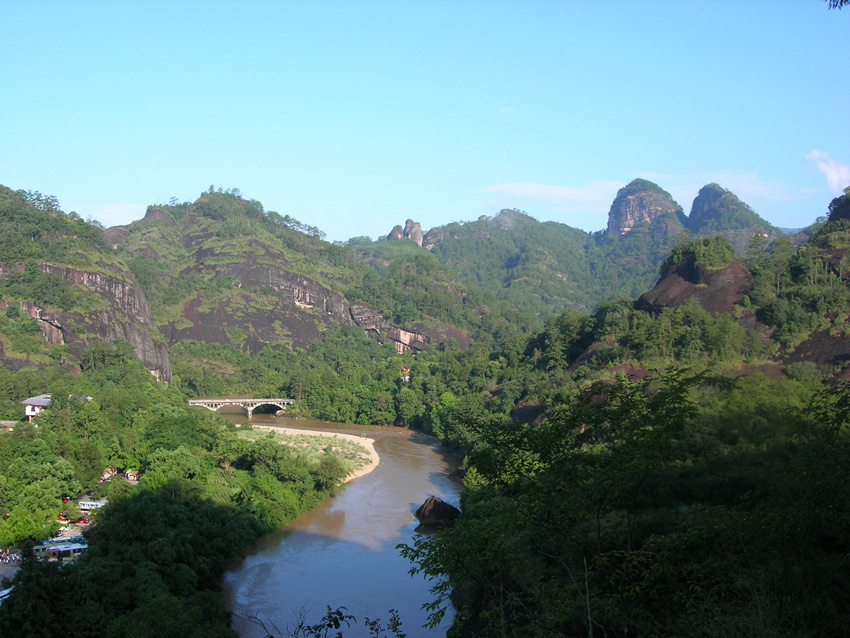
710, 204
157, 214
412, 230
639, 201
705, 204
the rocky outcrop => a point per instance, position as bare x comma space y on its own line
67, 328
412, 230
374, 323
718, 211
120, 291
637, 202
436, 512
302, 291
433, 237
267, 304
263, 304
127, 316
124, 315
507, 218
715, 290
116, 235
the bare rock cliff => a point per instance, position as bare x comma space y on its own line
640, 201
265, 304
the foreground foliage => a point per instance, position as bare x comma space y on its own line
158, 550
632, 512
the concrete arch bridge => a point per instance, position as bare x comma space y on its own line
248, 404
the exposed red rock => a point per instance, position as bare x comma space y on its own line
639, 201
823, 349
715, 290
412, 230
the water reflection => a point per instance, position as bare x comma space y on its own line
343, 552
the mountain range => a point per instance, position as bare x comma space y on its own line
223, 270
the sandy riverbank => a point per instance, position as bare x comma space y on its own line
366, 443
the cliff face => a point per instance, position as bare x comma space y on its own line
124, 314
247, 287
263, 303
637, 202
715, 290
415, 337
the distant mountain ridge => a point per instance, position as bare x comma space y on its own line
222, 270
546, 267
219, 270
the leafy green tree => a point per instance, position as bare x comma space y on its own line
839, 208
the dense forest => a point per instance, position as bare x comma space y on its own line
640, 459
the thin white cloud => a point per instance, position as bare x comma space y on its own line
593, 197
837, 174
506, 109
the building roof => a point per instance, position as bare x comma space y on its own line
42, 400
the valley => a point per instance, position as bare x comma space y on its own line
650, 419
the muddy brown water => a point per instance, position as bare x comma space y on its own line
343, 553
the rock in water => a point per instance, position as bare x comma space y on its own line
435, 511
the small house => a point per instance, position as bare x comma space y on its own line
34, 405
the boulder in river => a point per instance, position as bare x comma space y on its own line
435, 511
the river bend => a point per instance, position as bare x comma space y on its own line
343, 552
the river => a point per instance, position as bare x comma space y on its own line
343, 553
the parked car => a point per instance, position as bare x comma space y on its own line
83, 520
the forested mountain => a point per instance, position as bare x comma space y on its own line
70, 289
543, 268
665, 458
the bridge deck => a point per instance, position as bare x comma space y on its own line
248, 404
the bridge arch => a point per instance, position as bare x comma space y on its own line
248, 404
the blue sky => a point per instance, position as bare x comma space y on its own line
355, 116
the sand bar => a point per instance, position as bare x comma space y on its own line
366, 443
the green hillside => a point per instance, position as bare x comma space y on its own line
544, 268
632, 466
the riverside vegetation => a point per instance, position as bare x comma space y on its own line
633, 468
